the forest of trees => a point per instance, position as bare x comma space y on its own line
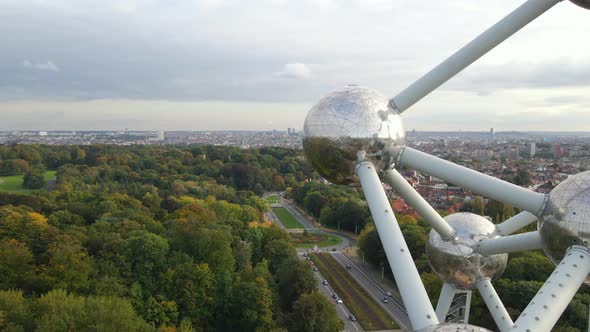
147, 238
165, 238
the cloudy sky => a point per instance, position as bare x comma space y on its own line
261, 64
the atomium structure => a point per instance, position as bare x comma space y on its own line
355, 136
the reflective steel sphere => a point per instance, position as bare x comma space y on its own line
345, 122
454, 327
455, 261
582, 3
566, 218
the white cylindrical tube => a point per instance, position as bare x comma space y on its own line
406, 275
515, 223
413, 198
486, 185
553, 298
494, 304
511, 243
482, 44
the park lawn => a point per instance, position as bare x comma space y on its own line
14, 183
286, 218
272, 199
309, 240
367, 312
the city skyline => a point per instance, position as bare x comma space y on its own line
82, 66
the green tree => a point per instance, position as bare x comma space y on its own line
276, 252
478, 205
146, 253
69, 266
294, 278
33, 180
16, 311
59, 311
16, 265
314, 313
252, 306
370, 246
192, 286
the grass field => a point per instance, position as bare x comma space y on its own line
308, 240
272, 199
14, 183
286, 218
368, 313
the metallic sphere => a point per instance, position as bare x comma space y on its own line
455, 261
582, 3
454, 327
565, 221
346, 122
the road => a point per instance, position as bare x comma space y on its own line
377, 290
308, 225
341, 308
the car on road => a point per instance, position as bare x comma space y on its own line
315, 269
334, 296
339, 300
352, 318
325, 282
389, 294
385, 300
348, 266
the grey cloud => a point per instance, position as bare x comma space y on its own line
296, 71
49, 65
486, 80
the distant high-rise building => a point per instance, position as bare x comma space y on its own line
42, 133
161, 135
491, 135
289, 132
557, 151
532, 149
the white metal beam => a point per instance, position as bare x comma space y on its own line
412, 197
553, 298
486, 41
483, 184
494, 304
447, 293
404, 270
515, 223
511, 243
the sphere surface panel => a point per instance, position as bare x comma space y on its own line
582, 3
345, 122
454, 327
455, 261
566, 218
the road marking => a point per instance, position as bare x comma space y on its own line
345, 314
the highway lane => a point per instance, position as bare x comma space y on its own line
395, 306
341, 308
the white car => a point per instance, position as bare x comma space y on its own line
339, 300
